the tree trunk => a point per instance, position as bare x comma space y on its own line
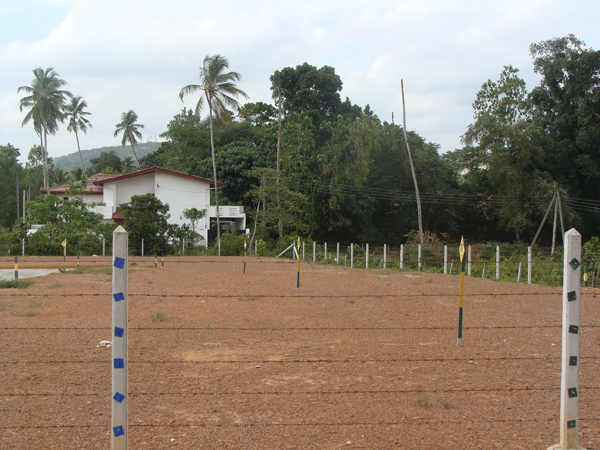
134, 154
79, 149
43, 159
47, 171
214, 161
412, 166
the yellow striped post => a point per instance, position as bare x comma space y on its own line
78, 260
462, 290
16, 267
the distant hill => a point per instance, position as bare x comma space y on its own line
72, 159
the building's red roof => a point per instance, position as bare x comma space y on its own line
154, 169
96, 190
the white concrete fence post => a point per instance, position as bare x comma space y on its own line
529, 263
142, 247
314, 251
445, 259
119, 430
497, 262
569, 385
103, 247
519, 272
401, 256
351, 255
337, 256
303, 258
325, 252
384, 254
367, 258
469, 261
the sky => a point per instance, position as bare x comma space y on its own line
132, 54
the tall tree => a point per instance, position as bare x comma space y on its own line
130, 129
75, 114
45, 103
567, 104
504, 152
9, 167
220, 91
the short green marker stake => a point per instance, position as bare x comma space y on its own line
298, 254
244, 257
16, 267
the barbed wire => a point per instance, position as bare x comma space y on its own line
332, 328
305, 361
331, 392
297, 424
295, 296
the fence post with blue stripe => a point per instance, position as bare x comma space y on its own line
569, 385
119, 431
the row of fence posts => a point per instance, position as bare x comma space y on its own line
420, 261
569, 406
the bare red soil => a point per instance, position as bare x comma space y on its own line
356, 358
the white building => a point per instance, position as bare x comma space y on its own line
179, 190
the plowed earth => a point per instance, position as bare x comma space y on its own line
356, 358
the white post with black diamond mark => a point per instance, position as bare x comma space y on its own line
569, 386
118, 431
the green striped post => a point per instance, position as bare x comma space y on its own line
16, 267
78, 260
155, 261
462, 290
585, 277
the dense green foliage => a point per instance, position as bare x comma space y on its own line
345, 174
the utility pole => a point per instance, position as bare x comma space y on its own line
412, 166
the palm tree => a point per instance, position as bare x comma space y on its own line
130, 130
220, 91
76, 173
127, 165
75, 113
45, 102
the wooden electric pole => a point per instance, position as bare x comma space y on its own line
412, 166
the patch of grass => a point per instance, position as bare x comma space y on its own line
447, 404
88, 269
24, 313
428, 280
158, 317
20, 284
249, 299
149, 281
5, 306
424, 402
55, 285
133, 264
351, 301
33, 304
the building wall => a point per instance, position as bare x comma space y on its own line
181, 194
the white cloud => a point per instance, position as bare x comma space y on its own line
133, 54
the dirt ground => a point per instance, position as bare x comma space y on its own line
219, 359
